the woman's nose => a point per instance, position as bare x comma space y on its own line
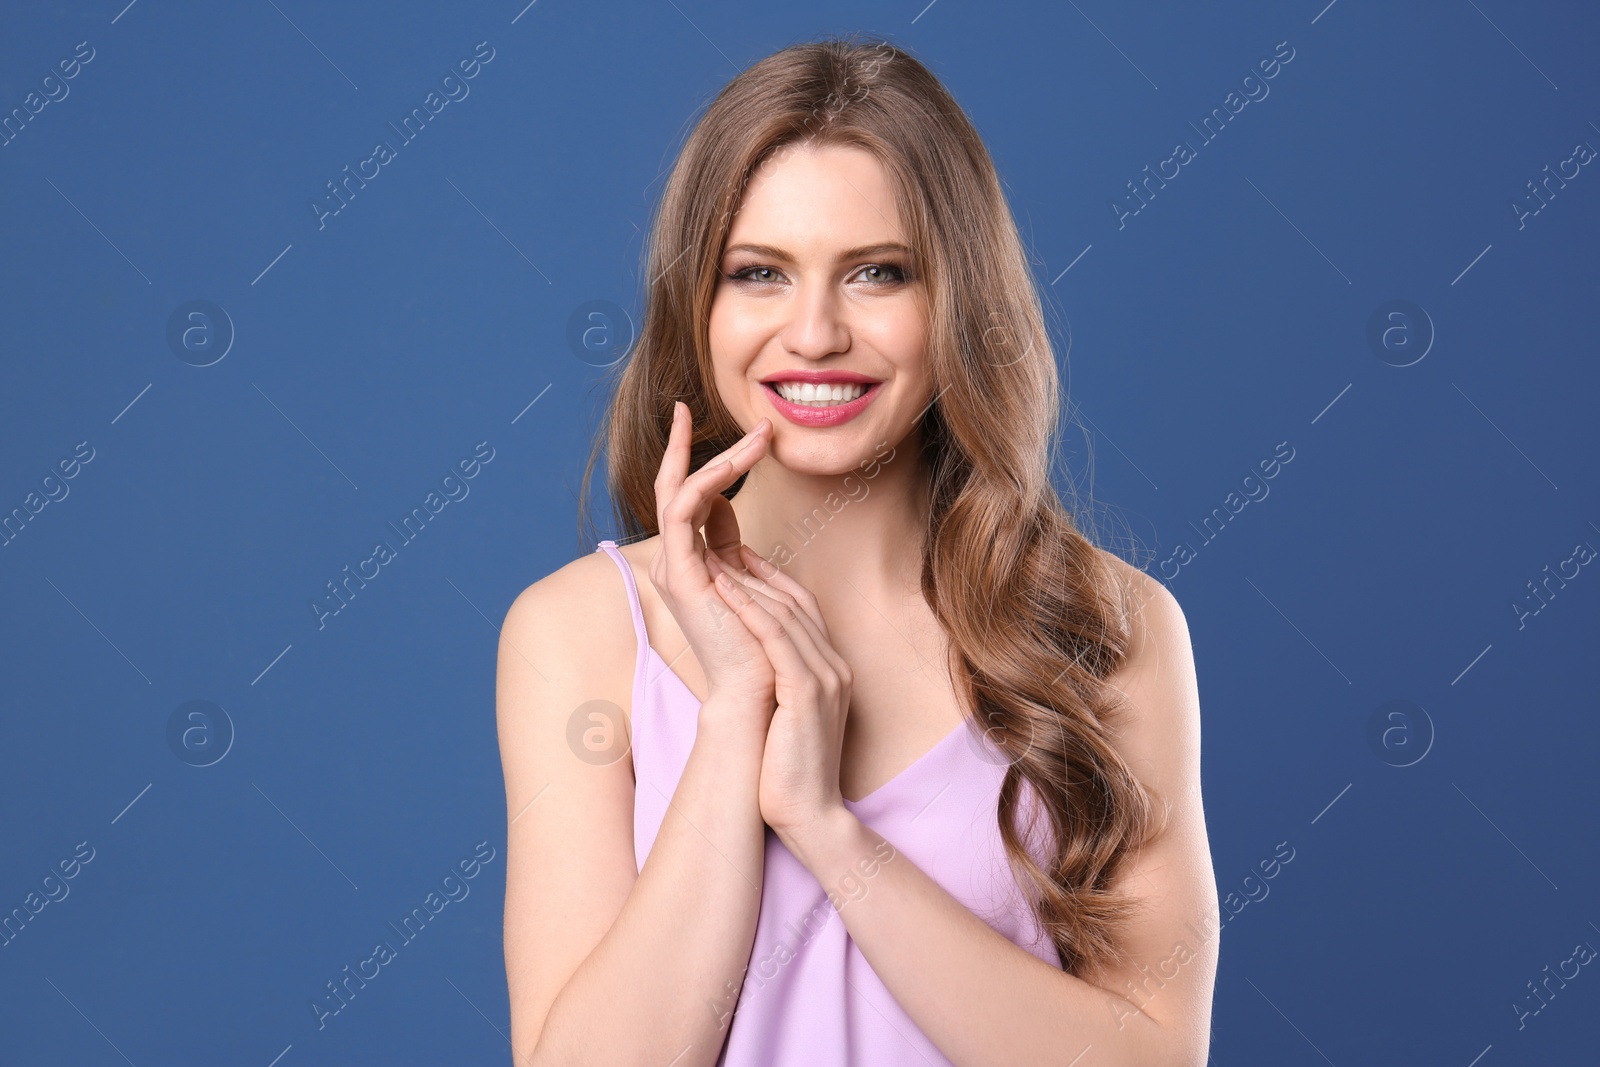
816, 327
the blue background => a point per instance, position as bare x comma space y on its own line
372, 354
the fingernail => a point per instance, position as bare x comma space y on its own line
724, 582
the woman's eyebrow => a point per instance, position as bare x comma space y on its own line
773, 252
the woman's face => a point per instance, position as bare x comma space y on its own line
817, 286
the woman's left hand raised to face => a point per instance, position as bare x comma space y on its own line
800, 768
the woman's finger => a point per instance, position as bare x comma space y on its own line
815, 630
682, 513
819, 658
722, 532
777, 642
769, 573
752, 583
674, 461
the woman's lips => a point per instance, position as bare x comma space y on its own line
831, 415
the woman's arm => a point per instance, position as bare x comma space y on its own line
606, 964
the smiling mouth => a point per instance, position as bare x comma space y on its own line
820, 395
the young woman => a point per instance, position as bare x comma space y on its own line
856, 751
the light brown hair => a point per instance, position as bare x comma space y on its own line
1037, 618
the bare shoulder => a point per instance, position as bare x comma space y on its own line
1159, 726
1157, 733
572, 629
563, 686
1155, 618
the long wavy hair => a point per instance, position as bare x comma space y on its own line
1037, 617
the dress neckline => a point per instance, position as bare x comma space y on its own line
647, 652
667, 671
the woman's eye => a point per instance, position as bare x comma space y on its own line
882, 272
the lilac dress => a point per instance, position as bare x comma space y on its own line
809, 996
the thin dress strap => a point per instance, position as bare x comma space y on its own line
639, 633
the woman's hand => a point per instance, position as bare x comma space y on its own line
727, 652
800, 767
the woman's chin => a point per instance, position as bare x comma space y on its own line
818, 460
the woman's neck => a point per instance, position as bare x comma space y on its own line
862, 529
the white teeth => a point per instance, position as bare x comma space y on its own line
819, 395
